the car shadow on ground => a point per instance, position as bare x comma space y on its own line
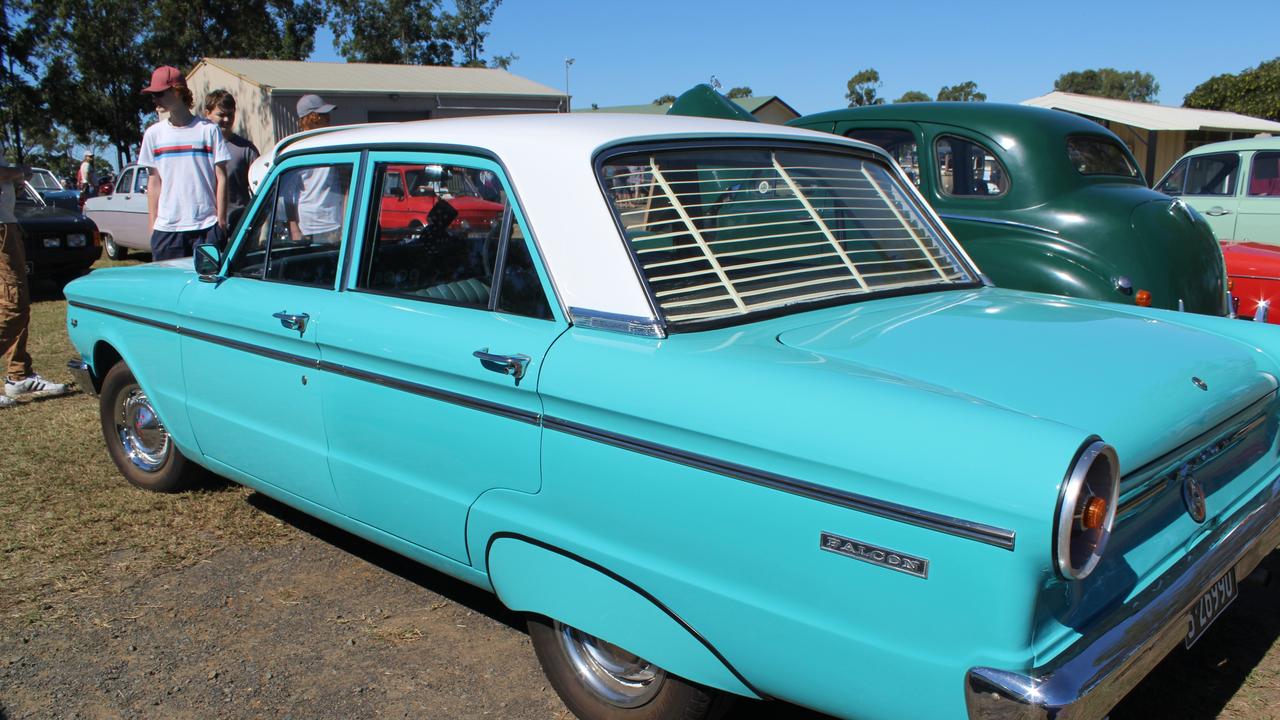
1199, 683
473, 598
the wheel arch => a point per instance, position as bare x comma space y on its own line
531, 576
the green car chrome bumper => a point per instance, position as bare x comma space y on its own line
1095, 673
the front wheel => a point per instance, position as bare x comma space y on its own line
601, 681
114, 251
136, 439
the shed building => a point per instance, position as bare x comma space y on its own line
1157, 134
267, 92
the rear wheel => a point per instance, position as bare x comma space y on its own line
114, 251
601, 681
137, 441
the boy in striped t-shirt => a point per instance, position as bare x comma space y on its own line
187, 190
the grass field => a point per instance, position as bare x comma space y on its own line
67, 514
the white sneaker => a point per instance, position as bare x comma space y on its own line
7, 402
32, 386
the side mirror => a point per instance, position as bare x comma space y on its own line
208, 260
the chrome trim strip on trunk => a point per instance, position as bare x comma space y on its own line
1123, 646
958, 527
994, 221
969, 530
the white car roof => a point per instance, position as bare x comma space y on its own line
549, 160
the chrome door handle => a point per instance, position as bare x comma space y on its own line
1217, 210
293, 322
513, 365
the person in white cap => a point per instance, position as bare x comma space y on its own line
314, 198
187, 190
20, 381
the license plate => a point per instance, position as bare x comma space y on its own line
77, 241
53, 242
1211, 604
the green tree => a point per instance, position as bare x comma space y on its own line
961, 92
862, 88
742, 91
664, 100
911, 96
20, 99
1133, 85
1253, 91
403, 32
466, 26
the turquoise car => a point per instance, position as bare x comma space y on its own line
722, 407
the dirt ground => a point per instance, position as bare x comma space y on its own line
327, 625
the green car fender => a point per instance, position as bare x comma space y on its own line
530, 576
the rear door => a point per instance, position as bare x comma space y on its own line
249, 353
1259, 211
434, 355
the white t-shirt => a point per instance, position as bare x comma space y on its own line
184, 157
316, 197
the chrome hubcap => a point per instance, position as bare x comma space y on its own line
142, 435
615, 675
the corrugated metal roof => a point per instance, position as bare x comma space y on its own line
1149, 116
336, 78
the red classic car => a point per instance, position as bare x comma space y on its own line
1254, 271
410, 193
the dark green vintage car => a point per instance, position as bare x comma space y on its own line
1046, 201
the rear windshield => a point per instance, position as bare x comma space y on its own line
1099, 156
728, 231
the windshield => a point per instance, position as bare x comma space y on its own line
44, 180
728, 231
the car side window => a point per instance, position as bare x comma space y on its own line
1264, 176
1212, 174
140, 184
125, 183
1172, 182
966, 168
901, 144
445, 242
296, 233
392, 186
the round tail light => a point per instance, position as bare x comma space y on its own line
1086, 510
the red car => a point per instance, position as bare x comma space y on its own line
410, 192
1254, 271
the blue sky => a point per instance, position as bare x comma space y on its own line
633, 52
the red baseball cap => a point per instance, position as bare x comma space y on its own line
165, 77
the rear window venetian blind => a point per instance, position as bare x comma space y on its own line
728, 231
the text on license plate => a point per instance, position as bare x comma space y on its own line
1211, 604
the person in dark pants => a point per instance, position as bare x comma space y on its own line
187, 191
220, 109
20, 381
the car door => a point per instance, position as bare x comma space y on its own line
435, 352
135, 220
249, 354
1210, 184
1258, 218
108, 212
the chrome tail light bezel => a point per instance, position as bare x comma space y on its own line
1095, 472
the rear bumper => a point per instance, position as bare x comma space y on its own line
1095, 673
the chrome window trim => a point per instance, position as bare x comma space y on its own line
995, 221
613, 322
959, 527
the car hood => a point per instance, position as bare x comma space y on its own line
47, 214
1123, 375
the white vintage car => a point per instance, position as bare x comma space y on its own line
121, 217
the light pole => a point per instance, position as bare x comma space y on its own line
567, 63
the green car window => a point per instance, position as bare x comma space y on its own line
966, 168
1264, 176
1212, 174
901, 144
1099, 156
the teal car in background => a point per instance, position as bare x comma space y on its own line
723, 408
1047, 201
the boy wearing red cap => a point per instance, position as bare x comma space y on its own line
187, 191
